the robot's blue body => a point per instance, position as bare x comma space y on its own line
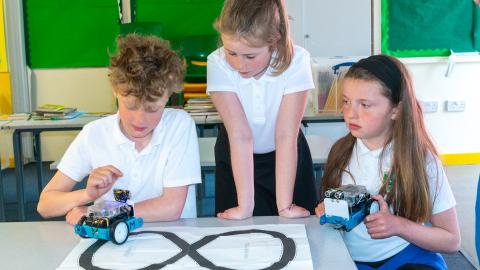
88, 231
347, 206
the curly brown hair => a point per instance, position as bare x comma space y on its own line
146, 68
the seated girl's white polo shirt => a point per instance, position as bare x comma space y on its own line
364, 166
260, 98
171, 159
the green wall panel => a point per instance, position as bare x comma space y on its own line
66, 33
180, 18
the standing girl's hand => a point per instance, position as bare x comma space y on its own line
101, 180
383, 224
236, 213
293, 211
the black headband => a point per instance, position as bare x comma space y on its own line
385, 70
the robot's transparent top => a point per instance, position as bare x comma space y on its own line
106, 209
353, 194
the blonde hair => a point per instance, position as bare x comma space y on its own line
146, 68
260, 23
412, 148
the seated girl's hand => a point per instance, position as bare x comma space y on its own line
75, 214
382, 224
236, 213
320, 209
294, 211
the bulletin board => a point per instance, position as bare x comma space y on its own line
65, 33
179, 18
82, 33
429, 28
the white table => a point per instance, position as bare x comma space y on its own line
44, 245
36, 127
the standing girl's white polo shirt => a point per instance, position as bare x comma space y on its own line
171, 159
260, 98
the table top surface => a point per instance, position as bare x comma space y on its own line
44, 245
79, 122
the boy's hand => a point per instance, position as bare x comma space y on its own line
74, 215
236, 213
101, 180
382, 224
294, 211
320, 209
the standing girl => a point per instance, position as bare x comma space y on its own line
259, 83
389, 152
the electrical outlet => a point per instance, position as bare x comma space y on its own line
430, 106
455, 105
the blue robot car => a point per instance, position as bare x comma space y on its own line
347, 206
110, 220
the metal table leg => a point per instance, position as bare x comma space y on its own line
38, 160
2, 194
18, 155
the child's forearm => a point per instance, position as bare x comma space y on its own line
55, 203
242, 168
285, 170
430, 238
167, 207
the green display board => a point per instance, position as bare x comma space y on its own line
82, 33
429, 27
65, 33
179, 18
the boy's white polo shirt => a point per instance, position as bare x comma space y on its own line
364, 166
171, 159
260, 98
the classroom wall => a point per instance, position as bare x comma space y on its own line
453, 132
88, 89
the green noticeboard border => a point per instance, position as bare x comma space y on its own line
412, 28
65, 33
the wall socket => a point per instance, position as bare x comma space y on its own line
430, 106
455, 105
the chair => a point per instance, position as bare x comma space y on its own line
319, 148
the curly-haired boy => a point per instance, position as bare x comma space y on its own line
145, 148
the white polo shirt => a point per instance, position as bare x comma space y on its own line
364, 166
171, 158
260, 98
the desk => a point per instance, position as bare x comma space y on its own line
44, 245
38, 126
308, 118
2, 195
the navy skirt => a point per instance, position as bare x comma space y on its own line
304, 193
